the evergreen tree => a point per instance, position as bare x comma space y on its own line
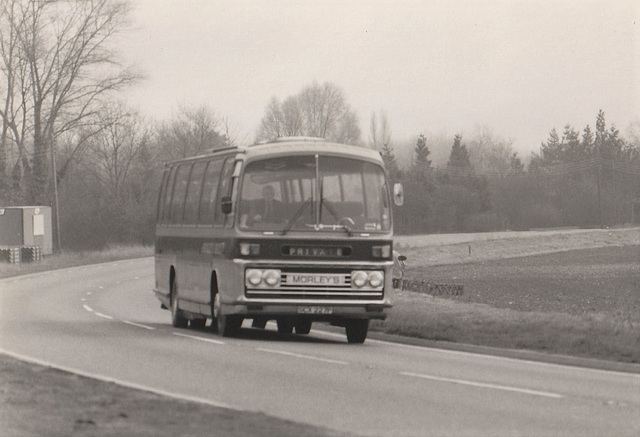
614, 144
390, 162
587, 141
601, 134
571, 150
422, 153
459, 157
515, 163
552, 150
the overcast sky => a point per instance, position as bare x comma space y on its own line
520, 67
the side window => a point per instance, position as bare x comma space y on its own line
209, 192
161, 195
194, 189
224, 190
179, 192
166, 199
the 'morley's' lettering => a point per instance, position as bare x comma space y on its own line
314, 279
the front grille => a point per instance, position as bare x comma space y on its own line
336, 286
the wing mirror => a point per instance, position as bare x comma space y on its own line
398, 194
226, 204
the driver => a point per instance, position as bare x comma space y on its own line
268, 208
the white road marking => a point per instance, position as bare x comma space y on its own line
88, 308
495, 357
83, 300
193, 337
306, 357
103, 316
121, 382
151, 328
485, 385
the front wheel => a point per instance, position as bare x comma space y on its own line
357, 330
303, 327
178, 320
285, 326
227, 324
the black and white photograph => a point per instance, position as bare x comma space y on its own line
319, 218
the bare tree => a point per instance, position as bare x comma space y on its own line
347, 130
292, 117
490, 153
373, 132
318, 111
60, 65
231, 133
380, 131
14, 69
115, 148
193, 131
272, 121
323, 106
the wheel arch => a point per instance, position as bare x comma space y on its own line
213, 288
172, 279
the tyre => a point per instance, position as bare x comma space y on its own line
259, 323
178, 320
228, 324
197, 323
303, 327
357, 330
285, 326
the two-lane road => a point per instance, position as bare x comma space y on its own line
103, 321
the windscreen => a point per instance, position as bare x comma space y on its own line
318, 193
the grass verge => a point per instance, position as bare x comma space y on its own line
74, 259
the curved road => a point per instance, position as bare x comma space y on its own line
103, 321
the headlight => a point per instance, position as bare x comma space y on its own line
359, 278
272, 277
376, 279
362, 279
253, 277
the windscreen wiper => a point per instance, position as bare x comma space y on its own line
296, 216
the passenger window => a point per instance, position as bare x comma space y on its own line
193, 193
209, 192
224, 190
179, 192
166, 207
161, 196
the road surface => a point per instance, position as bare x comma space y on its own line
103, 321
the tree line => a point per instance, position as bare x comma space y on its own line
588, 180
68, 141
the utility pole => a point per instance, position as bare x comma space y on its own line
55, 197
600, 191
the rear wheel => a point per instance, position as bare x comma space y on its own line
357, 330
259, 322
228, 324
178, 320
197, 323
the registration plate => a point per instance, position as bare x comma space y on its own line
315, 310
